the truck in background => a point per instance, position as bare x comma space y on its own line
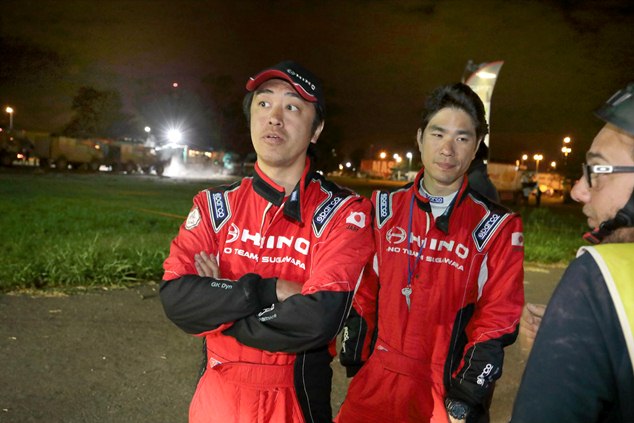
508, 180
92, 153
14, 146
131, 156
65, 152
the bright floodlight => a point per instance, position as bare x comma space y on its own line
174, 135
486, 75
147, 129
348, 165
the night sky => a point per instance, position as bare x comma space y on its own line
377, 59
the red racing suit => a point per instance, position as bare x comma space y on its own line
466, 299
268, 361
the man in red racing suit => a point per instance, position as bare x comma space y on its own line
450, 295
268, 360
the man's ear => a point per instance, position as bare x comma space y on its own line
419, 137
477, 147
317, 132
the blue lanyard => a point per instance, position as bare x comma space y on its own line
410, 270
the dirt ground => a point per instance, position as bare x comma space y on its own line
112, 356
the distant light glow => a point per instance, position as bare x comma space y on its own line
175, 84
486, 75
174, 135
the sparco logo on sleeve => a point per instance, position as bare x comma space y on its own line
485, 230
325, 212
384, 206
219, 208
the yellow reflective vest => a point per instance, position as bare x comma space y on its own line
616, 262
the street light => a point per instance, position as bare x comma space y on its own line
553, 164
566, 150
524, 158
409, 156
9, 110
537, 158
382, 155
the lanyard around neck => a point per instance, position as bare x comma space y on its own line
410, 268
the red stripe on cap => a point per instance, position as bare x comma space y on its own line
255, 81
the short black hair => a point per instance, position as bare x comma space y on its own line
246, 109
456, 96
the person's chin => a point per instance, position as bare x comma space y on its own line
591, 223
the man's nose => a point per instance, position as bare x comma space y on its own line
275, 116
580, 191
447, 147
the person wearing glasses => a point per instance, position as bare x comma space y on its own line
581, 366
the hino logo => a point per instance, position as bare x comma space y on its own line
395, 235
301, 78
299, 244
232, 234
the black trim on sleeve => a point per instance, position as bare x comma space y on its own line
198, 304
313, 383
300, 323
354, 333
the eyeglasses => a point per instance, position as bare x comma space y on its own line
590, 170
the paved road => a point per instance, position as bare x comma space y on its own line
112, 356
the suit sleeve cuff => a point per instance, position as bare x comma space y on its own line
266, 290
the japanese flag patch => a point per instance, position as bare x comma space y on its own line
517, 239
357, 219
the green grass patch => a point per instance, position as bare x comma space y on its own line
80, 230
71, 230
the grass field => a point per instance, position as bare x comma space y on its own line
73, 230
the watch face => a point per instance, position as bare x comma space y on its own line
457, 410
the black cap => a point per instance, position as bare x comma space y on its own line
619, 109
307, 85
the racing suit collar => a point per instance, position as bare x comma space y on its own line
275, 194
442, 222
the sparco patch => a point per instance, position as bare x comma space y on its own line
219, 208
485, 230
384, 207
325, 212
